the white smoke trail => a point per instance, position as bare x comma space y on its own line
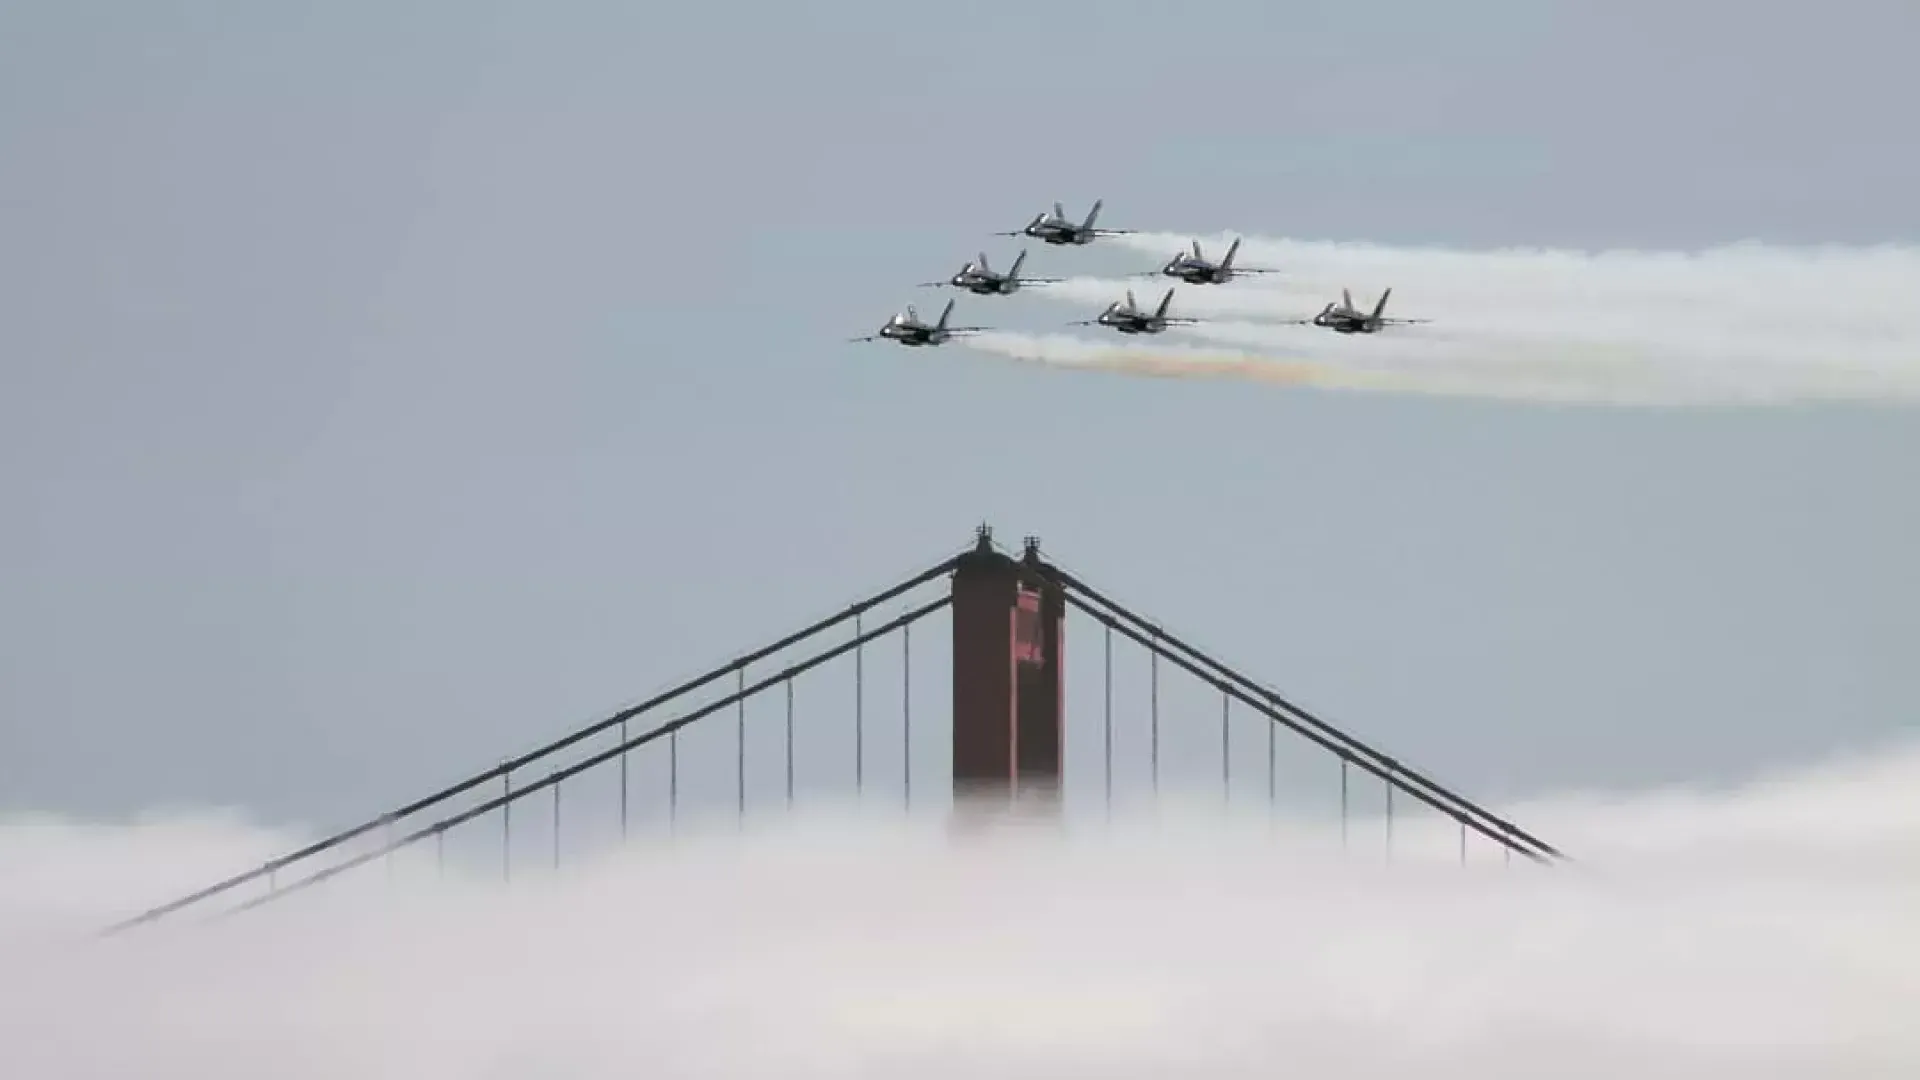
1171, 361
1376, 373
1741, 324
1769, 932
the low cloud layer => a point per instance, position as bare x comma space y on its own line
1772, 931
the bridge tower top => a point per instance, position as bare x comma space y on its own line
1009, 620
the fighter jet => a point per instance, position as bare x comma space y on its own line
1344, 318
976, 277
1197, 269
907, 329
1054, 228
1126, 317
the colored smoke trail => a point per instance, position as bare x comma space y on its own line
1739, 325
1569, 385
1772, 931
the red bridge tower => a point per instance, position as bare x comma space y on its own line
1009, 621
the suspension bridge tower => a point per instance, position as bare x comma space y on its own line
1009, 620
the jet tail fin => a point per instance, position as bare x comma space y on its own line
1093, 215
1197, 257
1226, 261
1018, 260
981, 263
1380, 308
945, 313
1165, 302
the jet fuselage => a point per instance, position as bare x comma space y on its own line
908, 335
1059, 234
1193, 273
983, 286
1345, 324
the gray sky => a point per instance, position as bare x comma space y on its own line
375, 396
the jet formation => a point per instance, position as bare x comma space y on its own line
1124, 315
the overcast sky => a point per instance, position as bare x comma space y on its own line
385, 387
